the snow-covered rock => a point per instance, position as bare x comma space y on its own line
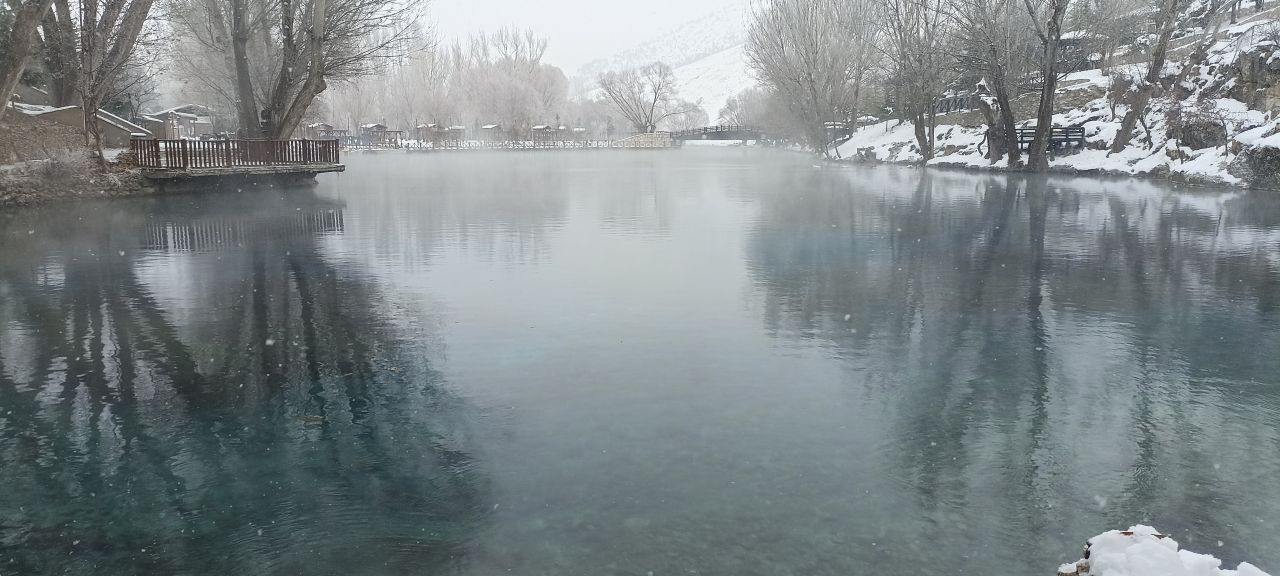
1144, 551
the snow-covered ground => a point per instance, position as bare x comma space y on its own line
1143, 551
1153, 151
894, 141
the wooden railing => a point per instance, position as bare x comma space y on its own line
182, 154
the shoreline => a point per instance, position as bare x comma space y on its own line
1159, 178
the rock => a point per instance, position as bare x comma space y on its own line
1198, 132
1259, 166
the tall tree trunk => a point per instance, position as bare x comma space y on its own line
1038, 156
922, 137
89, 63
1000, 89
996, 142
60, 55
315, 83
22, 38
246, 102
279, 98
1138, 106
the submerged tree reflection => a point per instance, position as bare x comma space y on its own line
267, 418
1028, 337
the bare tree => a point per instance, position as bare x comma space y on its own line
814, 54
994, 39
500, 78
61, 62
693, 117
1051, 13
22, 38
1141, 95
109, 32
645, 96
279, 55
1107, 25
917, 34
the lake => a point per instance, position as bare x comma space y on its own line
694, 362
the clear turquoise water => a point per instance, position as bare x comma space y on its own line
689, 362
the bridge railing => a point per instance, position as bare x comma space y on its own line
182, 154
713, 130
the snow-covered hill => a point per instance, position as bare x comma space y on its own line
705, 52
714, 79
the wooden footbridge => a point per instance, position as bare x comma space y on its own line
205, 159
720, 132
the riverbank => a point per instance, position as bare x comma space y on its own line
1213, 121
67, 176
43, 161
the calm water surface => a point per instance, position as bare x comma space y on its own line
716, 362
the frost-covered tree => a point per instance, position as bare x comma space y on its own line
1140, 96
645, 96
271, 58
814, 55
917, 36
994, 40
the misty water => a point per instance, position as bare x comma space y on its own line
683, 362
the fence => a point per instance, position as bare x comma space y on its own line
181, 154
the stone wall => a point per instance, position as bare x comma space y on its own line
1025, 106
68, 176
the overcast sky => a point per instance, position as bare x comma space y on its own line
580, 30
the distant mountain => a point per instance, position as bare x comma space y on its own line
706, 54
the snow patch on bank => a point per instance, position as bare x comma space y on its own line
1143, 551
1174, 138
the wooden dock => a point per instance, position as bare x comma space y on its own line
170, 160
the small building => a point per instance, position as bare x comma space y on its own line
317, 131
437, 136
379, 136
185, 121
492, 133
546, 133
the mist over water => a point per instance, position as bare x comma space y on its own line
724, 361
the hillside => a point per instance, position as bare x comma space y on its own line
706, 54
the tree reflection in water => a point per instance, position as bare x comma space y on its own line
1135, 349
201, 391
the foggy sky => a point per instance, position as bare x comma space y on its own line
580, 30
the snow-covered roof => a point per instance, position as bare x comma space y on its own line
38, 109
457, 127
579, 129
541, 127
373, 125
1076, 35
122, 124
179, 110
491, 126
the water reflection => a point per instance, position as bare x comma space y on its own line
281, 424
687, 362
1055, 353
